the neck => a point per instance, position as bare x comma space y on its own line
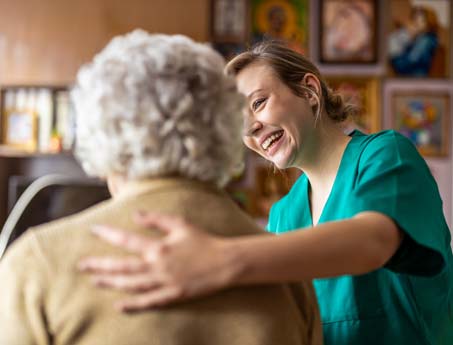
324, 153
115, 183
120, 186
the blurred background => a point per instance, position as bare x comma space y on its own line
392, 58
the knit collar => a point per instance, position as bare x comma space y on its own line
137, 187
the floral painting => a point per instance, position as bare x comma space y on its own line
425, 119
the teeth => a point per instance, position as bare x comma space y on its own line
269, 141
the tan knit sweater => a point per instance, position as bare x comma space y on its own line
44, 300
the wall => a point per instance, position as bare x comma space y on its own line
46, 41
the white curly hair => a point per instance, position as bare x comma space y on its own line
158, 105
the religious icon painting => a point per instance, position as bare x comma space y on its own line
281, 20
418, 38
348, 31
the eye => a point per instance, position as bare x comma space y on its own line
257, 103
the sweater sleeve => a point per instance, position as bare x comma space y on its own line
22, 287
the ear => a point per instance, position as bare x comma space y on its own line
313, 83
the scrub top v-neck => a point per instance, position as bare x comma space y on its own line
337, 181
410, 300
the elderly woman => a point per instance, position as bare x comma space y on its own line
161, 123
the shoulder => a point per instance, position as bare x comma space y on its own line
62, 240
20, 251
390, 157
74, 225
388, 145
23, 262
388, 137
41, 249
389, 153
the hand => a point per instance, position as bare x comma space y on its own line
185, 263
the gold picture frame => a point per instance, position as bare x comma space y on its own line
20, 129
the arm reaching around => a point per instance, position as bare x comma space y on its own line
354, 246
187, 262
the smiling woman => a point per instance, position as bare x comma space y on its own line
286, 115
356, 221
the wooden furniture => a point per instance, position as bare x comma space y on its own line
14, 163
46, 199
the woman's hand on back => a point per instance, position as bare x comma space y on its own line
185, 263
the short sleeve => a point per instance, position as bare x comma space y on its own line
21, 295
393, 179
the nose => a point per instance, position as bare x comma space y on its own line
251, 126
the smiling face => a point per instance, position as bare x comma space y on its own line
278, 124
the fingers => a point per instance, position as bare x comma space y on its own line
132, 242
106, 265
162, 222
152, 299
127, 283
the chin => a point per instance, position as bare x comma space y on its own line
284, 162
281, 164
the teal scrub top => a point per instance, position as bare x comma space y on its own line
409, 300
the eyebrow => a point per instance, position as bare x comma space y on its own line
253, 92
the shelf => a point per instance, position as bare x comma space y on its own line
12, 152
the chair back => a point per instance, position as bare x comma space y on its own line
48, 198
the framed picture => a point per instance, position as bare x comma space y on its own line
348, 31
37, 118
421, 111
418, 38
284, 20
363, 93
21, 129
229, 21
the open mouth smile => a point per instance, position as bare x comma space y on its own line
272, 140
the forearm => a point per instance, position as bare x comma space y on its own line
354, 246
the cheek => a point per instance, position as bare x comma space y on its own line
249, 143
